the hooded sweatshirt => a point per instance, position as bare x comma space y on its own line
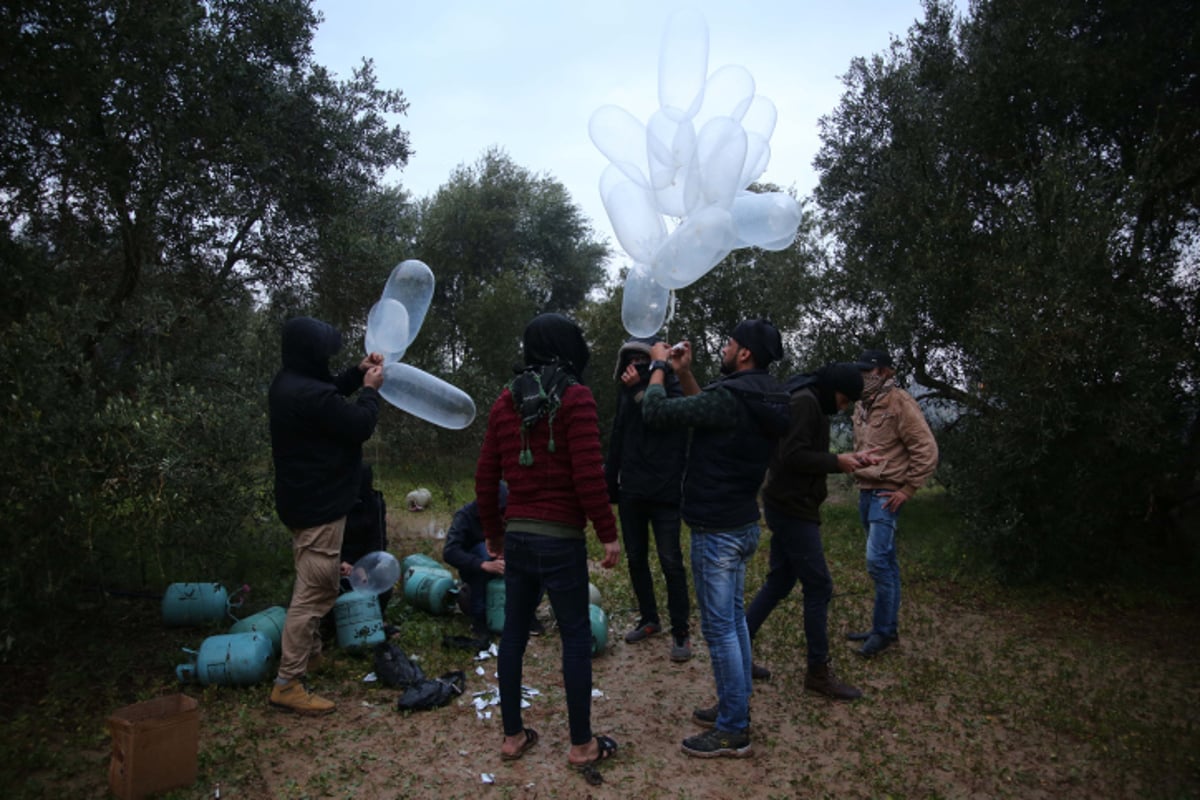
546, 449
316, 435
644, 464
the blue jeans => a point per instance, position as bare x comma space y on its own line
882, 566
533, 562
796, 555
719, 572
637, 517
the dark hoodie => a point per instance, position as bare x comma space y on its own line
796, 478
316, 436
643, 463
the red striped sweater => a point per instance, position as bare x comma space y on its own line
566, 486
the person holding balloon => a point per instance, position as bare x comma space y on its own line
316, 446
735, 422
543, 439
644, 470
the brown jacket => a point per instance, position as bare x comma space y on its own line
895, 426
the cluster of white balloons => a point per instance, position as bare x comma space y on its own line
392, 325
690, 162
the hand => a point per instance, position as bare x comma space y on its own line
867, 458
680, 356
893, 500
372, 360
630, 376
612, 554
847, 462
495, 548
374, 377
495, 566
344, 569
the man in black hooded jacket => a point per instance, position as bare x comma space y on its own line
644, 471
792, 497
316, 444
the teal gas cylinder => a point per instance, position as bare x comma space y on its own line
196, 604
599, 628
432, 590
269, 623
419, 560
359, 623
234, 659
495, 605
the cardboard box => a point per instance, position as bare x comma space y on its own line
155, 745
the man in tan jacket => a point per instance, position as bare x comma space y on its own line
888, 422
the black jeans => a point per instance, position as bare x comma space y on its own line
637, 518
796, 555
533, 562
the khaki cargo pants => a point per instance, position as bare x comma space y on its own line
317, 555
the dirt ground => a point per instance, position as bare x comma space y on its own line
975, 703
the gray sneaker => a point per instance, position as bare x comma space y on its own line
643, 630
681, 649
717, 744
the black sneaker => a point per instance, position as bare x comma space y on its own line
643, 630
759, 673
536, 627
717, 744
705, 716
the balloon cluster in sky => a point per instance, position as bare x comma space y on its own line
691, 162
392, 325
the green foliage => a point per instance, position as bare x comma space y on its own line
1016, 205
507, 245
165, 168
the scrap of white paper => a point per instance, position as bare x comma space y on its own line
370, 677
487, 777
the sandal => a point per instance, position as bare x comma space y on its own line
607, 749
531, 738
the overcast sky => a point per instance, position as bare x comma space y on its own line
526, 76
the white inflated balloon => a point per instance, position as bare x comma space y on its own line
645, 302
683, 64
758, 155
760, 117
621, 137
387, 328
728, 92
765, 219
670, 146
411, 284
375, 573
426, 396
634, 215
684, 192
721, 150
694, 248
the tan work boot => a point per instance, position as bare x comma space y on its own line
820, 679
294, 696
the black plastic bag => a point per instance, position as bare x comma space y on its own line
394, 668
432, 692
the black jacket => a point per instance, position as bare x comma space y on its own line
316, 435
796, 482
644, 463
726, 465
463, 538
